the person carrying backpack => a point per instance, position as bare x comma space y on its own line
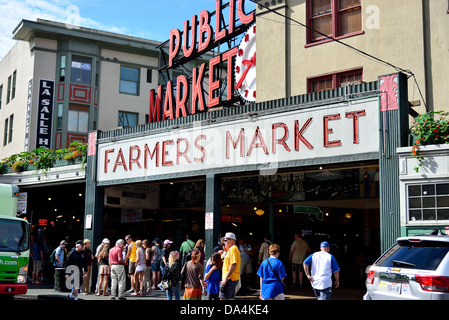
58, 258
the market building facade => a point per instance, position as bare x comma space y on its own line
304, 137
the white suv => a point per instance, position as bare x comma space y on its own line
414, 268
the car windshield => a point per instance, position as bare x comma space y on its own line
424, 255
13, 235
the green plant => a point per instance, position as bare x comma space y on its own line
430, 128
18, 166
43, 158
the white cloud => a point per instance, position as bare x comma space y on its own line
13, 11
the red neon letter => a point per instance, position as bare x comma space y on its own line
253, 144
168, 104
231, 16
134, 160
182, 88
355, 123
197, 88
299, 134
240, 138
122, 161
188, 52
201, 148
327, 131
219, 34
175, 36
245, 19
165, 153
106, 160
204, 29
281, 141
228, 57
155, 106
151, 154
180, 153
213, 85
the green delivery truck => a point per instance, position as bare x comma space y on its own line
14, 245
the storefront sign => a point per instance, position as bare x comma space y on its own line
309, 210
45, 113
199, 36
28, 114
231, 218
323, 132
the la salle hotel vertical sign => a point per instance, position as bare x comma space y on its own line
45, 113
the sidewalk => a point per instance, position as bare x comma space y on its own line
47, 292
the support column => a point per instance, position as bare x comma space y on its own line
393, 124
213, 213
93, 210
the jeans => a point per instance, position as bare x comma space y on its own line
324, 294
173, 290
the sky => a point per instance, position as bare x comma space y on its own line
149, 19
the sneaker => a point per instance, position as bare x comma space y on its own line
112, 298
121, 298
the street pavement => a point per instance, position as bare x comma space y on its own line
47, 292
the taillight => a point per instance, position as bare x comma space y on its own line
433, 283
370, 276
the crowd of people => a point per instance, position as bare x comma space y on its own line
136, 267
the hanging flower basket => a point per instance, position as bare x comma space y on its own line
44, 159
428, 129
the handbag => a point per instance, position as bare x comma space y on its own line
283, 284
164, 285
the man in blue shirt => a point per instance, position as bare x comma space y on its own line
324, 265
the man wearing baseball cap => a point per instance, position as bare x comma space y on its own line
324, 265
231, 268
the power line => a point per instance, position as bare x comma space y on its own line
399, 69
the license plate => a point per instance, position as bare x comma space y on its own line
393, 287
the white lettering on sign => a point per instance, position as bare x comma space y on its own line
318, 133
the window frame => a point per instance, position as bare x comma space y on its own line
120, 112
137, 93
336, 78
83, 60
336, 29
422, 208
78, 109
5, 132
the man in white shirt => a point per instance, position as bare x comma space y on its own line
324, 265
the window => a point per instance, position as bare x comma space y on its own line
428, 202
81, 71
333, 18
129, 80
335, 80
127, 119
1, 96
62, 69
78, 119
5, 133
8, 130
11, 125
59, 117
8, 93
13, 89
149, 75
